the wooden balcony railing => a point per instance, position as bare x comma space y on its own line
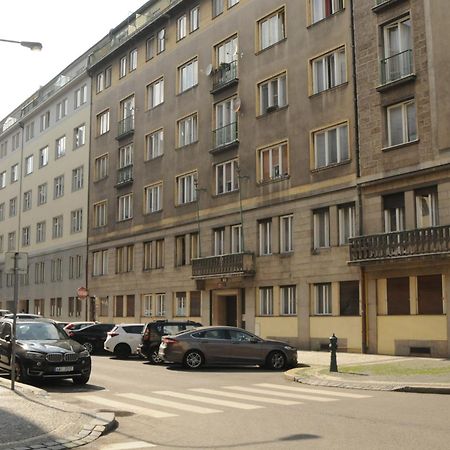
224, 265
400, 244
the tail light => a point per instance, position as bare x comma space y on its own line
110, 333
70, 326
71, 333
169, 340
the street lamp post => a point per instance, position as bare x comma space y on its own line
34, 46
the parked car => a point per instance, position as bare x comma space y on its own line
3, 312
24, 316
123, 339
226, 346
153, 333
43, 350
77, 325
93, 337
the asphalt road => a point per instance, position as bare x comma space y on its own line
249, 408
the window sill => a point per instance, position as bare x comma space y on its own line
331, 166
274, 180
187, 145
319, 250
124, 220
153, 159
152, 213
395, 83
316, 94
274, 110
286, 254
100, 179
180, 205
155, 107
312, 25
223, 194
398, 146
187, 90
270, 46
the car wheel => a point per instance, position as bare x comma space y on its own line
193, 359
122, 351
89, 347
21, 375
154, 357
82, 379
276, 361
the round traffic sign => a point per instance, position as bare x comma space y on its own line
82, 292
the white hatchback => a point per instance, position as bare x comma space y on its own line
124, 339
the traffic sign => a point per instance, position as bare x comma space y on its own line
21, 262
82, 292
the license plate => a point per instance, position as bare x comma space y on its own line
64, 369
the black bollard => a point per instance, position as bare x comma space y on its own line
333, 348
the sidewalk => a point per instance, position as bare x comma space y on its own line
374, 372
30, 420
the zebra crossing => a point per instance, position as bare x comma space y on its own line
163, 404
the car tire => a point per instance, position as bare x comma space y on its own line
193, 359
122, 351
80, 380
153, 357
21, 375
89, 346
276, 360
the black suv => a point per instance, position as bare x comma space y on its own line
153, 333
93, 337
43, 350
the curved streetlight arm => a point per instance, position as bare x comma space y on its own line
29, 44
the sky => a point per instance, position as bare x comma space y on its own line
66, 29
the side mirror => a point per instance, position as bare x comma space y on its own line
8, 338
254, 340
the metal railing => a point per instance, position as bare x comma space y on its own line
225, 74
224, 265
125, 126
125, 174
401, 244
225, 135
396, 67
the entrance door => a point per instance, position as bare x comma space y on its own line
225, 310
231, 310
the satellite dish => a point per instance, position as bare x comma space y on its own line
209, 69
237, 104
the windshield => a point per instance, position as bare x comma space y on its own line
39, 331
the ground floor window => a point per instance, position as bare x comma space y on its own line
349, 298
429, 294
398, 296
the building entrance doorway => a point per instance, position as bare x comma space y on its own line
225, 309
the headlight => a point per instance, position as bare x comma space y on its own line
35, 356
288, 347
84, 354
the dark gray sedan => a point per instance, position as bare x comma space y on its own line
226, 346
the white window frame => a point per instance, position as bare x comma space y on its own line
227, 178
60, 147
160, 41
43, 156
265, 237
77, 178
57, 227
266, 307
236, 238
347, 223
123, 66
14, 173
408, 125
160, 304
318, 9
79, 136
58, 186
29, 160
155, 93
288, 300
125, 207
153, 198
321, 224
194, 19
154, 144
40, 232
187, 130
27, 200
276, 169
76, 221
286, 234
272, 29
219, 241
331, 146
42, 194
426, 208
322, 299
188, 75
329, 70
133, 57
100, 214
103, 122
101, 167
273, 94
181, 304
186, 188
181, 27
100, 263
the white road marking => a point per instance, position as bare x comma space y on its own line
128, 445
170, 404
274, 401
125, 406
280, 394
313, 391
211, 401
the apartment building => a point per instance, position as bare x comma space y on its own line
44, 168
224, 168
403, 247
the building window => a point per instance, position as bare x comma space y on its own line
43, 157
271, 29
226, 130
266, 301
55, 307
232, 3
273, 162
14, 173
118, 306
160, 307
188, 75
401, 120
57, 227
286, 234
126, 156
154, 144
108, 77
398, 296
187, 130
61, 109
125, 207
100, 214
122, 66
80, 97
321, 219
3, 179
2, 211
180, 251
217, 7
42, 194
26, 236
394, 212
75, 266
272, 94
195, 304
3, 149
27, 200
79, 136
133, 60
426, 207
76, 221
150, 48
13, 207
236, 239
40, 232
288, 301
227, 179
265, 237
346, 223
180, 304
15, 142
429, 294
219, 241
77, 179
153, 198
60, 147
181, 27
39, 272
194, 19
28, 165
155, 93
161, 41
100, 84
11, 241
331, 146
154, 254
56, 269
45, 120
101, 167
186, 191
104, 306
329, 70
322, 299
103, 123
349, 298
124, 259
321, 9
29, 131
100, 263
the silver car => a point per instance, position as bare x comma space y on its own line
222, 345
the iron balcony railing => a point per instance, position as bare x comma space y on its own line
397, 67
383, 3
224, 75
225, 136
400, 244
125, 126
125, 175
224, 265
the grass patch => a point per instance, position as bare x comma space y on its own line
396, 369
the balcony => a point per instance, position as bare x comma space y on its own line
234, 264
225, 137
125, 127
382, 4
225, 75
400, 245
397, 68
125, 175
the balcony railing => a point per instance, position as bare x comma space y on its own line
225, 136
125, 175
225, 75
125, 126
397, 67
400, 244
224, 265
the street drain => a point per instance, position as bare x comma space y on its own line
118, 413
